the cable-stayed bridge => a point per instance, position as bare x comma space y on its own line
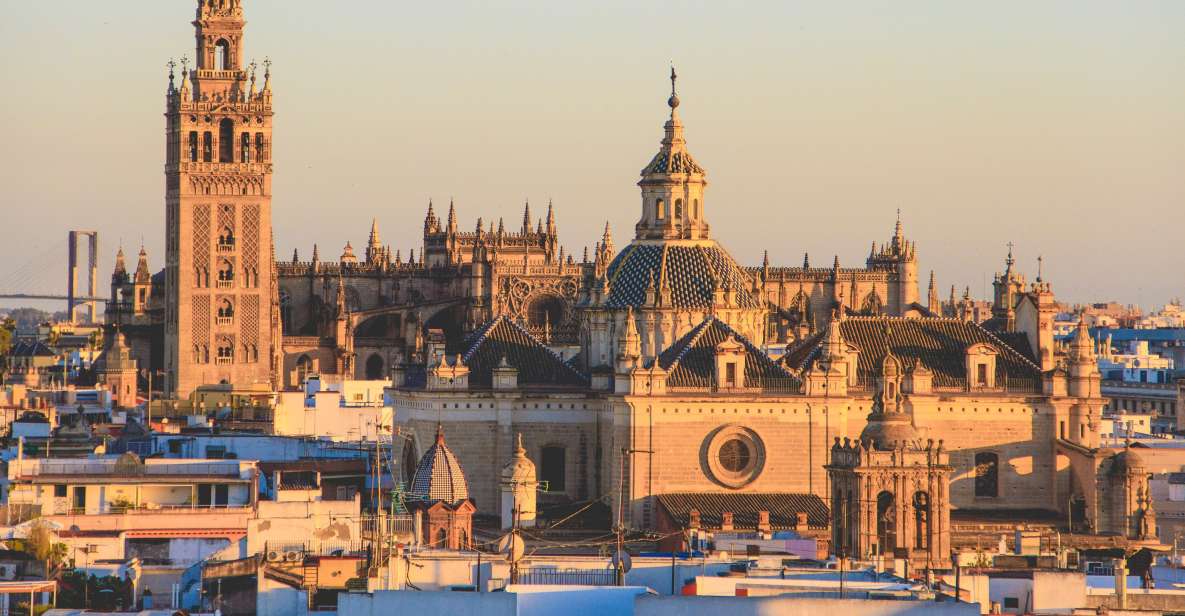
34, 277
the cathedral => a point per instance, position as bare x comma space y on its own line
658, 371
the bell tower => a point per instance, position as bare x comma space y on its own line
220, 287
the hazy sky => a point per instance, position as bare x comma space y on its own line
1057, 125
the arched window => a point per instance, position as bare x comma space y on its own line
462, 539
695, 209
554, 468
441, 537
207, 147
226, 272
304, 367
987, 475
226, 351
260, 149
921, 515
678, 209
193, 146
245, 147
660, 209
226, 141
285, 312
222, 59
226, 309
374, 367
226, 237
197, 354
886, 523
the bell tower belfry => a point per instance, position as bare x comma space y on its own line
220, 287
673, 186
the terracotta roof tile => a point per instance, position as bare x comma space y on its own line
783, 508
501, 339
691, 360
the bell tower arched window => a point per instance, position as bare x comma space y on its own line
678, 209
226, 141
207, 147
193, 146
245, 147
222, 59
660, 209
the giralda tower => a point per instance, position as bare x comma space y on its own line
220, 325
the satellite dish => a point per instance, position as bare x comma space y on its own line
512, 547
623, 557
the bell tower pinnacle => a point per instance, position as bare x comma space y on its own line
673, 185
219, 268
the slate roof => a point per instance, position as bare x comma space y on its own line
30, 348
783, 508
940, 344
501, 339
439, 476
691, 361
691, 271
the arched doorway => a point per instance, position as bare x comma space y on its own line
374, 367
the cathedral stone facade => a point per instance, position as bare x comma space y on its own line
662, 371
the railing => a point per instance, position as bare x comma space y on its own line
226, 247
224, 320
223, 360
580, 577
393, 526
225, 284
34, 468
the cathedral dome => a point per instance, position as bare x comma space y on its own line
439, 476
889, 432
1127, 460
684, 275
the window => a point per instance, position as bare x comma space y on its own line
304, 366
226, 237
886, 523
226, 310
695, 209
735, 455
193, 146
260, 152
222, 59
660, 209
226, 141
245, 147
730, 374
203, 494
987, 480
59, 490
221, 494
80, 497
1011, 603
554, 471
981, 375
678, 209
890, 390
226, 351
1062, 429
175, 446
207, 147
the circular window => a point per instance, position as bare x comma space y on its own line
733, 456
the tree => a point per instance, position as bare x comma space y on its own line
39, 544
7, 328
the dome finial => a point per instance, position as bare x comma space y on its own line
673, 101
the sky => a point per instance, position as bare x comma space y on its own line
1056, 125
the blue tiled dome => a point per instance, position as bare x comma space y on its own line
692, 271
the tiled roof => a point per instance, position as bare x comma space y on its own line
501, 339
676, 161
692, 273
439, 476
30, 348
783, 508
692, 359
939, 344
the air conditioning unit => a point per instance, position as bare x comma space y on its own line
274, 556
293, 556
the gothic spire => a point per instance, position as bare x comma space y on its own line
526, 217
550, 218
120, 265
316, 254
142, 273
452, 217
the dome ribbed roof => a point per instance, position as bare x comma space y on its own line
439, 476
692, 272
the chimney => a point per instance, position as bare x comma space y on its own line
801, 521
726, 521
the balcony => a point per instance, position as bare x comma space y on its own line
226, 247
225, 284
224, 320
222, 361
